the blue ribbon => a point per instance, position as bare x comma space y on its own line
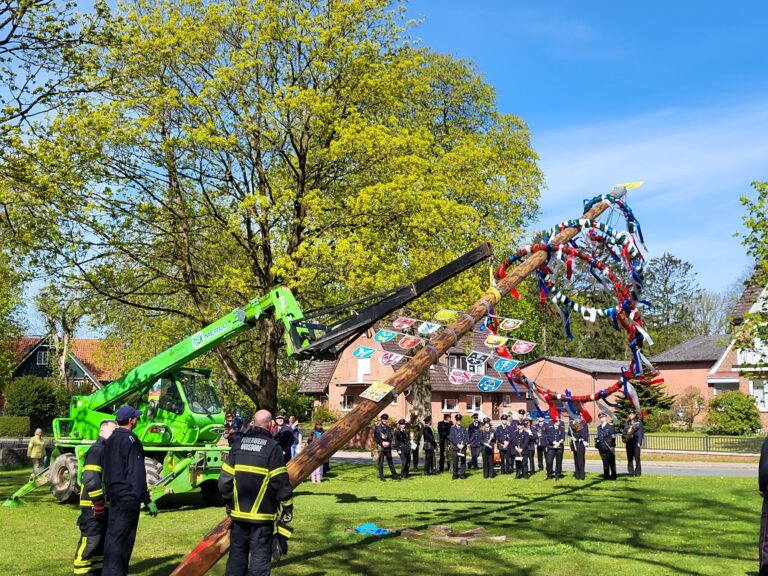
567, 319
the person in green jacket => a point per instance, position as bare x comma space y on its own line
36, 451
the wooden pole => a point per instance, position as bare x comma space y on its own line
216, 543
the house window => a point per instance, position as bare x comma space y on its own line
507, 400
78, 382
394, 401
760, 393
476, 369
457, 362
42, 357
450, 404
474, 403
347, 402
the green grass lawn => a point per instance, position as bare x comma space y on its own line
648, 525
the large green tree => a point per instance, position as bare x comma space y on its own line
236, 146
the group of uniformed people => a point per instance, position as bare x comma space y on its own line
518, 445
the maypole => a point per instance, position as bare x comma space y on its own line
216, 543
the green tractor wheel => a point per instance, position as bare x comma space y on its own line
64, 478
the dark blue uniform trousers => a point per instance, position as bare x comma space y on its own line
121, 536
764, 538
254, 539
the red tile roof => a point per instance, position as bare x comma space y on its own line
103, 358
24, 346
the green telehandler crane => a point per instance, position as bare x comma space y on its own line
182, 418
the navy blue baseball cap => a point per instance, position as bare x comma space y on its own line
125, 413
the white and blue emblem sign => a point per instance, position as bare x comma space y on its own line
487, 384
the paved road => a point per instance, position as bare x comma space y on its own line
678, 468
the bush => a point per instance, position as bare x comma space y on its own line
657, 419
14, 426
37, 398
733, 414
324, 414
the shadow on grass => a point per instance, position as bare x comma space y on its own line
637, 531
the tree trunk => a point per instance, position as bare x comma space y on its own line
421, 402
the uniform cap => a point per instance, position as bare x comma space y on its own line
504, 417
486, 420
384, 417
125, 413
458, 417
280, 416
521, 411
428, 419
475, 415
401, 421
601, 414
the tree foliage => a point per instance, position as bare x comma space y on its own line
733, 414
35, 397
686, 407
654, 401
238, 146
672, 290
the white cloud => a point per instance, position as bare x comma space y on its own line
696, 164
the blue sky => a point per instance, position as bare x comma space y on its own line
671, 93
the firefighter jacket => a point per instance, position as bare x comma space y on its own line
256, 479
125, 473
91, 489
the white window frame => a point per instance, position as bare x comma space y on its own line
347, 402
471, 406
457, 362
78, 382
758, 389
363, 369
44, 355
453, 407
476, 369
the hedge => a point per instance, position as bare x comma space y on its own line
14, 426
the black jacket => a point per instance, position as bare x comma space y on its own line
520, 439
429, 438
637, 431
605, 437
444, 429
579, 436
487, 439
762, 475
458, 436
473, 429
503, 434
125, 477
541, 434
91, 489
284, 437
383, 433
402, 440
256, 459
555, 434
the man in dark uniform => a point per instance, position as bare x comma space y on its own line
541, 441
579, 434
125, 482
762, 488
93, 512
443, 430
503, 437
382, 435
284, 436
555, 447
606, 445
633, 438
530, 452
487, 441
256, 480
459, 440
403, 447
521, 439
474, 443
428, 436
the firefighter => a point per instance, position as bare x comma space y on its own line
125, 482
256, 481
93, 512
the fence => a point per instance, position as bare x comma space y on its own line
680, 443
